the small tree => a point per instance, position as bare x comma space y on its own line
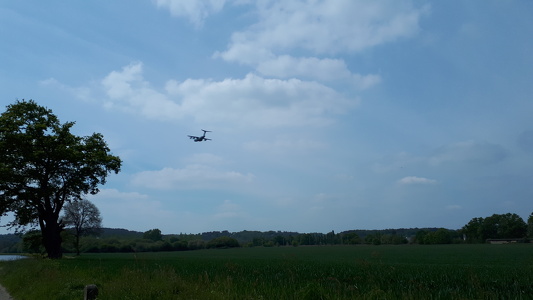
84, 219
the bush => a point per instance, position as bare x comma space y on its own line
179, 245
196, 244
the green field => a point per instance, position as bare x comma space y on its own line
314, 272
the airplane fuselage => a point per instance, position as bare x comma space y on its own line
199, 138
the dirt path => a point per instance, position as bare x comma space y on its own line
4, 295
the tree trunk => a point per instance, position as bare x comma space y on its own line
51, 232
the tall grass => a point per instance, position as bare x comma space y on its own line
328, 272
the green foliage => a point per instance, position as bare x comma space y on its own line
196, 245
387, 239
530, 226
32, 242
331, 272
497, 226
43, 165
440, 236
351, 238
153, 234
473, 230
223, 242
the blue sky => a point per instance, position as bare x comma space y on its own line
325, 115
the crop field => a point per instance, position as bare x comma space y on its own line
314, 272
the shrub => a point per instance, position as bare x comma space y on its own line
196, 244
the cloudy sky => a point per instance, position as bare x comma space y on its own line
325, 115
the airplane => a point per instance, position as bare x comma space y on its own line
200, 138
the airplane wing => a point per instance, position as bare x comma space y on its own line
192, 137
207, 139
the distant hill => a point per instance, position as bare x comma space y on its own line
120, 233
7, 242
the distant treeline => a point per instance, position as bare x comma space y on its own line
122, 240
478, 230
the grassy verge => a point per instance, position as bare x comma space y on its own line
328, 272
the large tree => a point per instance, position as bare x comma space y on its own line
153, 234
84, 219
473, 230
43, 166
497, 226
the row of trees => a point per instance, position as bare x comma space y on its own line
478, 230
153, 241
440, 236
495, 226
83, 219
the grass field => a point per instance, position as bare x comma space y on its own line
315, 272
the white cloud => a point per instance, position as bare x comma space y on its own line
117, 195
319, 28
257, 101
416, 180
192, 176
118, 84
322, 27
128, 91
131, 210
80, 92
195, 11
289, 66
253, 100
286, 66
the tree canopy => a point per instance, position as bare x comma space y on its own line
497, 226
43, 166
153, 234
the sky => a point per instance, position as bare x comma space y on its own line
325, 115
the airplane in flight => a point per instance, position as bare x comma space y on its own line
200, 138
